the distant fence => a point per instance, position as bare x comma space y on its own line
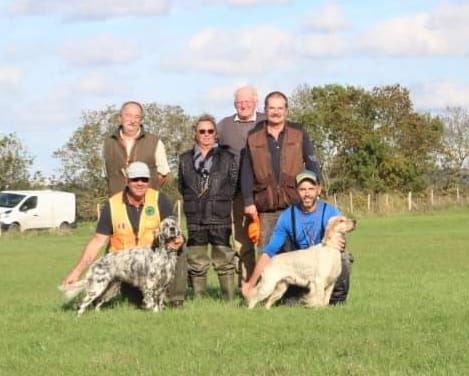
360, 203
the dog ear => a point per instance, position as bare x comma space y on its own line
157, 240
331, 223
161, 239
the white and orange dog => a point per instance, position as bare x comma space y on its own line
151, 269
316, 268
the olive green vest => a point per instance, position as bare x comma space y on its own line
116, 159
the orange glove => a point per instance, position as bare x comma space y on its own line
254, 231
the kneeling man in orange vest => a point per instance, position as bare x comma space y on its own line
128, 219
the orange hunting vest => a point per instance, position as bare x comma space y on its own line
123, 236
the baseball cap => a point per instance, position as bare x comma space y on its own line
307, 175
138, 170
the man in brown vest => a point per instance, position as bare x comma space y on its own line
276, 151
132, 143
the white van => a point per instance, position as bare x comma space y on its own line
24, 210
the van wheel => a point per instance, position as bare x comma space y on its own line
65, 226
14, 227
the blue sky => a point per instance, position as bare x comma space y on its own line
59, 58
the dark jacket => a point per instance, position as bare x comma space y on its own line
213, 205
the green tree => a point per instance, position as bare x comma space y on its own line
15, 162
414, 139
456, 136
339, 120
368, 140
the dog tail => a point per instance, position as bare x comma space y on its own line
72, 290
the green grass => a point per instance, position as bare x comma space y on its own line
407, 314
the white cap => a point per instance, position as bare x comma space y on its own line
138, 170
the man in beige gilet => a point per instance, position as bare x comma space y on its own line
129, 143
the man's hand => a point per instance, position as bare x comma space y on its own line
246, 289
338, 242
163, 179
71, 278
251, 211
176, 243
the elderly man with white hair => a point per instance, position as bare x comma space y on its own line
233, 131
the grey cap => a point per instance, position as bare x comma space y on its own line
138, 170
307, 175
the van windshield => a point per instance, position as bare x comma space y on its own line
10, 200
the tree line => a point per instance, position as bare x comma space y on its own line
367, 140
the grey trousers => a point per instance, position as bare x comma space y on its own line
241, 243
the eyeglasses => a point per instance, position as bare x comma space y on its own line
206, 131
143, 180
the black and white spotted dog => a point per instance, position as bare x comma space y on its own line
150, 269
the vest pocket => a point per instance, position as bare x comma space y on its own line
264, 198
218, 210
290, 195
190, 207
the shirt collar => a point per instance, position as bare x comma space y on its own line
125, 199
121, 134
252, 118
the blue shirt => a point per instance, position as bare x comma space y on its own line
309, 227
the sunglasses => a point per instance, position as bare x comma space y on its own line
143, 180
206, 131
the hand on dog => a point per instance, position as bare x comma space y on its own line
338, 242
246, 289
71, 278
176, 243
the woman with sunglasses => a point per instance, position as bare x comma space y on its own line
207, 181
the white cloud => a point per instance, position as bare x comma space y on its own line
448, 16
329, 17
443, 31
244, 51
223, 94
100, 50
10, 77
244, 3
94, 83
323, 45
90, 9
404, 36
233, 3
440, 95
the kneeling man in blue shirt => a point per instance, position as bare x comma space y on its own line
298, 227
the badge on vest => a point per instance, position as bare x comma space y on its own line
150, 210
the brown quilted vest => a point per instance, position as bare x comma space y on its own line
116, 159
270, 194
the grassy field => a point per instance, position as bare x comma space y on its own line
407, 314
